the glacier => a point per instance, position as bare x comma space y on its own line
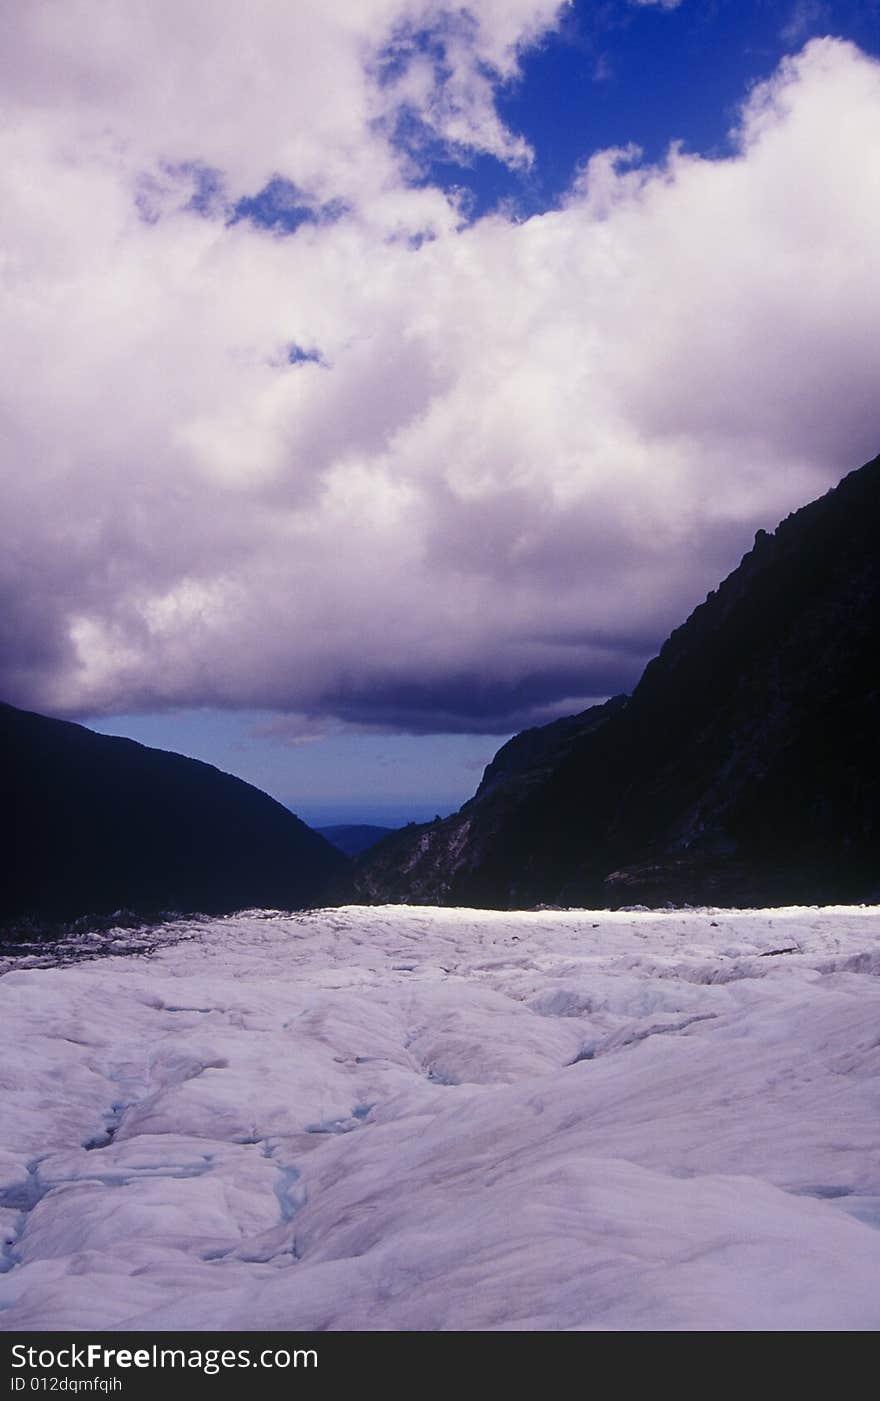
395, 1118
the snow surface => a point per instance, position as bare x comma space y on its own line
401, 1118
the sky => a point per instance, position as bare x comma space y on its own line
382, 377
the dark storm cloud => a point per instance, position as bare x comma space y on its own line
474, 703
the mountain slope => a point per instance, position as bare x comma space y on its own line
745, 766
468, 858
97, 824
353, 837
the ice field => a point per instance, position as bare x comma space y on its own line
407, 1118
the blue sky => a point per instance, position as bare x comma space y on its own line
360, 419
615, 74
389, 779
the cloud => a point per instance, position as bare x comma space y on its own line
805, 18
304, 90
389, 467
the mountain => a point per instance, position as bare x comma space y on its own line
743, 769
98, 824
353, 837
466, 858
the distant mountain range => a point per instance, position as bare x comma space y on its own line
353, 837
743, 769
97, 824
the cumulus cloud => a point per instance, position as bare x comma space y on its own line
392, 467
804, 18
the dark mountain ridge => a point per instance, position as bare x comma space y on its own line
465, 858
96, 824
353, 837
743, 769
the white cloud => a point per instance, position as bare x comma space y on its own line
527, 448
277, 86
805, 17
